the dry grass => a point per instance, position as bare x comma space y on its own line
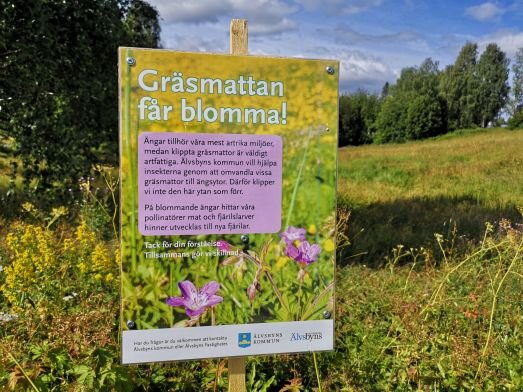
482, 165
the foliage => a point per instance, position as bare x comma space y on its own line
417, 327
413, 108
516, 121
426, 117
358, 112
493, 89
59, 83
515, 102
426, 102
408, 326
391, 121
458, 86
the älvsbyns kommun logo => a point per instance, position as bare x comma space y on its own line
244, 339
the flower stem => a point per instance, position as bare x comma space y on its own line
24, 373
316, 370
277, 291
298, 178
259, 263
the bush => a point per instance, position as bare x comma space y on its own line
516, 121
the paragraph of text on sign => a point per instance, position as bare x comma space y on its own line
209, 183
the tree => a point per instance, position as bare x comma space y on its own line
414, 108
516, 100
391, 121
141, 22
458, 87
358, 112
385, 90
58, 83
426, 117
493, 88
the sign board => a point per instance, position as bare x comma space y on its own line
228, 203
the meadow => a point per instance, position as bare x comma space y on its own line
429, 282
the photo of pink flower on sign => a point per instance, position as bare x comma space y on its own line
196, 301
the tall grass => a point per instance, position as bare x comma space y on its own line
445, 313
404, 194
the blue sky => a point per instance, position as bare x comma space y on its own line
373, 39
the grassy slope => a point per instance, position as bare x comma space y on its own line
403, 194
412, 327
417, 326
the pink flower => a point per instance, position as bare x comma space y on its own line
196, 301
251, 291
223, 246
304, 254
308, 253
293, 234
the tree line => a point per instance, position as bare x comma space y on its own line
426, 101
59, 89
59, 83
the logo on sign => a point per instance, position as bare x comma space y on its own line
244, 339
308, 336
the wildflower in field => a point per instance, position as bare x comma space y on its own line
223, 246
70, 297
252, 289
196, 301
308, 253
304, 254
293, 234
28, 207
7, 317
329, 245
292, 252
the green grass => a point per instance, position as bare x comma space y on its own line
446, 316
404, 193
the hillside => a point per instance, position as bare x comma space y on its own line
405, 193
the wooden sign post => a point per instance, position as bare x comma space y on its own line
239, 45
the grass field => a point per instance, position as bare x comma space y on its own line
444, 312
405, 193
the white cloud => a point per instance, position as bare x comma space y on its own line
359, 70
272, 28
194, 43
264, 16
339, 6
348, 36
485, 12
509, 41
190, 11
360, 6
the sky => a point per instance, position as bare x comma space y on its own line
373, 39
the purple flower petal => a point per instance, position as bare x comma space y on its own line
194, 312
309, 253
223, 245
210, 288
175, 301
214, 300
293, 234
196, 301
292, 252
189, 290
